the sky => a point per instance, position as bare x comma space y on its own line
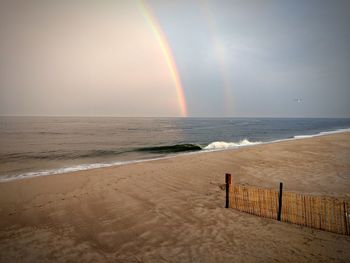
162, 58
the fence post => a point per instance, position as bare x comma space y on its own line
346, 219
280, 202
228, 180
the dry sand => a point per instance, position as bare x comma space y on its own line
172, 210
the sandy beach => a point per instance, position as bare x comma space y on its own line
172, 210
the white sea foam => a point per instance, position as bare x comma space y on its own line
76, 168
229, 145
321, 134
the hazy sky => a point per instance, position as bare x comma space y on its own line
234, 58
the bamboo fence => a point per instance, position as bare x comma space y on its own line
320, 212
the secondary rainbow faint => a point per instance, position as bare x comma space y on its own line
219, 50
164, 45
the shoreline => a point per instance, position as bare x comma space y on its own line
94, 166
173, 209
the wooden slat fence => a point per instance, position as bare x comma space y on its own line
320, 212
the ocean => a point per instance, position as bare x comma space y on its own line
35, 146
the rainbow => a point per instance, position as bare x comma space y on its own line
164, 45
221, 58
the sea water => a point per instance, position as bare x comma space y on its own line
34, 146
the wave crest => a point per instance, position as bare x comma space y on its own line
228, 145
171, 148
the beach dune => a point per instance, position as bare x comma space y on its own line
172, 210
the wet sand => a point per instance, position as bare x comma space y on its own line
171, 210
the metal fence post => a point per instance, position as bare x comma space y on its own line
280, 202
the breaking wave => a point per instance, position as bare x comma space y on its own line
172, 148
228, 145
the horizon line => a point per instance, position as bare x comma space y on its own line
182, 117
